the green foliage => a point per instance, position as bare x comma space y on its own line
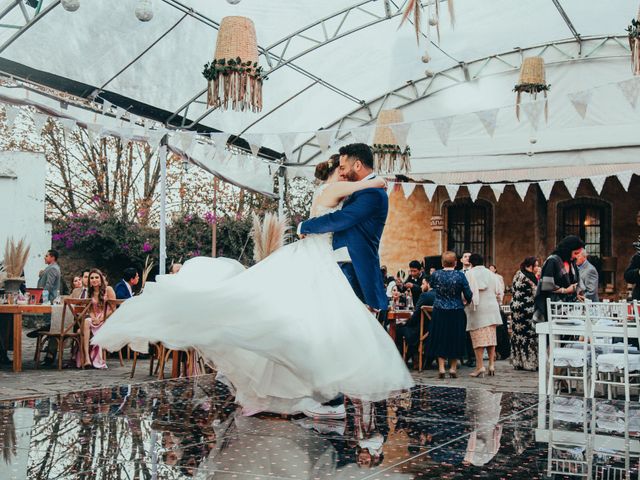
634, 29
221, 66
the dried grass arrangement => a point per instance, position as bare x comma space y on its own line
391, 158
148, 266
634, 42
532, 81
268, 235
414, 8
15, 258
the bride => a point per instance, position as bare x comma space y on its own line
317, 343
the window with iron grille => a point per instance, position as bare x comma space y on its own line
590, 219
469, 227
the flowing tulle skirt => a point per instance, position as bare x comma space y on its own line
288, 329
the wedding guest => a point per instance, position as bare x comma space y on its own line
589, 278
81, 291
398, 283
632, 273
447, 333
560, 277
398, 301
483, 313
465, 265
500, 277
386, 279
524, 340
124, 288
414, 281
99, 293
49, 279
464, 260
410, 331
76, 282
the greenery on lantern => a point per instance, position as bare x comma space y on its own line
532, 87
383, 149
220, 66
634, 29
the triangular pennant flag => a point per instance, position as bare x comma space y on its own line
220, 143
522, 189
572, 185
288, 141
598, 182
68, 124
401, 132
533, 111
452, 190
489, 119
546, 188
390, 187
630, 89
94, 130
120, 112
185, 140
362, 134
11, 113
497, 188
154, 137
324, 139
106, 106
625, 179
580, 101
430, 189
443, 127
39, 119
474, 190
408, 188
126, 134
255, 142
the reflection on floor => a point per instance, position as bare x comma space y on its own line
190, 428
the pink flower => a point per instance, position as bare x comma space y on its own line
210, 218
146, 247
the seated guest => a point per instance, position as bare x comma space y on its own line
398, 301
414, 281
124, 288
386, 279
99, 293
411, 330
81, 290
175, 268
398, 283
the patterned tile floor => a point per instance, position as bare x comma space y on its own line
190, 428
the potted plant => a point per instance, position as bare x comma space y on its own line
15, 258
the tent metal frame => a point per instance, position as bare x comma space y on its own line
554, 53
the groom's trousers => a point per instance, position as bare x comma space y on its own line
350, 273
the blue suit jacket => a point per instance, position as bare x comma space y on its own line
122, 292
358, 226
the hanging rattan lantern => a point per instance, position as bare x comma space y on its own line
532, 81
388, 155
634, 42
235, 79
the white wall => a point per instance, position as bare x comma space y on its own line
22, 206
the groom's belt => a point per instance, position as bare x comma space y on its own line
341, 255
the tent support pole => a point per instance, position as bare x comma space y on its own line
163, 205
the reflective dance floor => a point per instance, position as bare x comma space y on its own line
190, 428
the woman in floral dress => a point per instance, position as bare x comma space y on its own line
524, 341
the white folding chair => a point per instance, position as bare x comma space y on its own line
569, 356
615, 364
569, 456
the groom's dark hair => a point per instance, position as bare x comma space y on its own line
359, 151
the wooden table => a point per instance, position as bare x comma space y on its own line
17, 311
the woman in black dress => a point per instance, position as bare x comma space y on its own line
524, 340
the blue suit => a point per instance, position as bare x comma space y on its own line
358, 226
122, 292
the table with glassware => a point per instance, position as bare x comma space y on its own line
542, 329
17, 311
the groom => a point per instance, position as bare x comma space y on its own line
357, 228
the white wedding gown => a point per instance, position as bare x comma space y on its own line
286, 330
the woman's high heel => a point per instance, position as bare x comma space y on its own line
453, 374
441, 375
492, 371
478, 373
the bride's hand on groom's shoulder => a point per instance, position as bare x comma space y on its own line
379, 182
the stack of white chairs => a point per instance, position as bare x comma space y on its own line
616, 364
569, 357
569, 456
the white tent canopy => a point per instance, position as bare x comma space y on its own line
334, 64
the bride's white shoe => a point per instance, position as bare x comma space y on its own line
325, 412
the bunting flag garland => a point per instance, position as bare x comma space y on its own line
443, 127
154, 137
94, 130
401, 132
630, 89
185, 139
362, 134
11, 113
625, 179
288, 141
452, 190
255, 142
430, 189
522, 189
390, 187
39, 119
489, 120
533, 111
572, 185
324, 139
474, 190
408, 188
580, 101
220, 142
497, 188
598, 182
546, 188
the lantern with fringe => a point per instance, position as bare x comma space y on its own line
634, 43
235, 79
532, 81
388, 155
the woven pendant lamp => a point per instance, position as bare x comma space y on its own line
532, 81
634, 42
388, 156
235, 79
